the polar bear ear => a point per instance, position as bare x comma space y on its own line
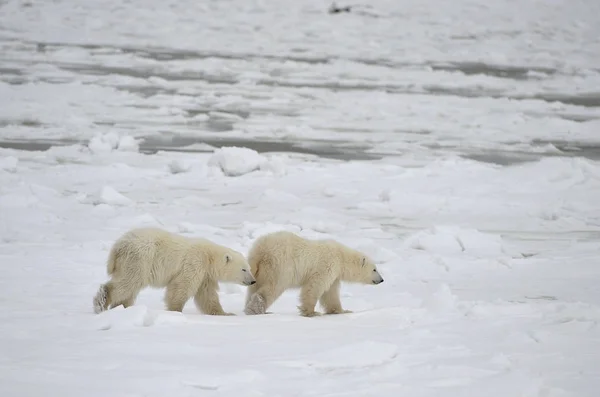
227, 258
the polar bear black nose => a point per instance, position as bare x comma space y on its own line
252, 282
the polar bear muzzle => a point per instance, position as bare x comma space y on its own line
377, 279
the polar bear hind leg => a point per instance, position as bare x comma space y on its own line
330, 300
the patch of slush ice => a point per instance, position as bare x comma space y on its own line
103, 143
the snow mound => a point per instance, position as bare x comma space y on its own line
441, 300
352, 356
199, 229
120, 318
13, 200
110, 196
252, 231
145, 220
237, 161
277, 196
104, 143
228, 381
451, 240
9, 164
179, 166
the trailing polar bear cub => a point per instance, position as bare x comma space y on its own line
284, 260
186, 266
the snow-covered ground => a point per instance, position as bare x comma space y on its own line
491, 271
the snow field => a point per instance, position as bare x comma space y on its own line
405, 77
469, 305
491, 272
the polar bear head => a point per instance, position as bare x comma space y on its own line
234, 268
362, 270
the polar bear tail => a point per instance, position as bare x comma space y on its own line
101, 299
111, 264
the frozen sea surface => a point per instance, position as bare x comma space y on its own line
469, 136
516, 78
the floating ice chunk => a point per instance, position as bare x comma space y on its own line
275, 165
236, 161
179, 166
109, 195
104, 143
9, 164
128, 144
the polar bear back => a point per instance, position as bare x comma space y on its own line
293, 259
154, 255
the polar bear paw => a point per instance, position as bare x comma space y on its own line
100, 300
338, 311
308, 313
256, 305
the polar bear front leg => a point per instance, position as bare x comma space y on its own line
330, 300
207, 299
310, 293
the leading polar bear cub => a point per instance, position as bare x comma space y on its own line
283, 260
186, 266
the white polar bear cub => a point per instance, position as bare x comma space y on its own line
284, 260
186, 266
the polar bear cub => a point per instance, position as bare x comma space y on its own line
188, 267
284, 260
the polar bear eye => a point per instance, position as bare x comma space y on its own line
374, 270
244, 270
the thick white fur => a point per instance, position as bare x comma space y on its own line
186, 266
284, 260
